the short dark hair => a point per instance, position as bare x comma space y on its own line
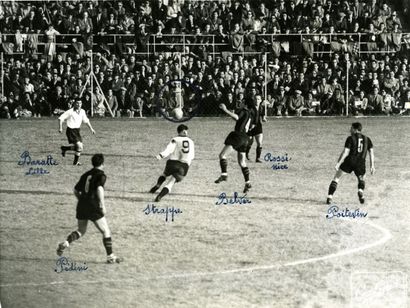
357, 126
97, 160
181, 128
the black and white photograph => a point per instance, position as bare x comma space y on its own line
205, 153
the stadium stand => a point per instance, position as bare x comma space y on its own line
307, 57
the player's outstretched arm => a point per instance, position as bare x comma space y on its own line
371, 155
168, 150
229, 113
342, 158
91, 128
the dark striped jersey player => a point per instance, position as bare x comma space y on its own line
257, 132
181, 152
91, 206
238, 141
353, 158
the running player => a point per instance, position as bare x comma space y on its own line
353, 158
181, 152
257, 132
238, 141
74, 116
90, 194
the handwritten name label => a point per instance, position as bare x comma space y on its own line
64, 264
236, 199
26, 160
168, 212
335, 212
280, 162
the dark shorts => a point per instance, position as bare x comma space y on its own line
177, 169
239, 141
257, 130
73, 135
88, 211
358, 167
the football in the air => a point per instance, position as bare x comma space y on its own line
177, 113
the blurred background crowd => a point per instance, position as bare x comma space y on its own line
306, 57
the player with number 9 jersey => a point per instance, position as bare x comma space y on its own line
181, 152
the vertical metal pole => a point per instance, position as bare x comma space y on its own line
213, 47
266, 84
2, 74
347, 86
92, 76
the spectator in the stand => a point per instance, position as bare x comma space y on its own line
112, 102
323, 88
375, 102
296, 104
85, 22
391, 84
50, 48
326, 103
111, 25
116, 85
388, 102
338, 103
99, 107
309, 108
28, 86
120, 11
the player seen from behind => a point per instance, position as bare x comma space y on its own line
353, 158
91, 206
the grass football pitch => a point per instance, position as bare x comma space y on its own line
280, 250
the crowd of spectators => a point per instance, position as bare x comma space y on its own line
134, 84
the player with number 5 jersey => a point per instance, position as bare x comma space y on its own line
181, 152
353, 158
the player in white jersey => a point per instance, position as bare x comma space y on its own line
75, 117
181, 152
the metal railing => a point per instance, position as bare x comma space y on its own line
322, 42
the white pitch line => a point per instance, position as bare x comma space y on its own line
386, 236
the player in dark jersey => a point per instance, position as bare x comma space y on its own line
257, 132
238, 141
353, 158
90, 194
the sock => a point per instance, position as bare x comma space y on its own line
108, 245
224, 165
161, 180
163, 192
245, 172
361, 185
332, 188
258, 152
76, 158
75, 235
